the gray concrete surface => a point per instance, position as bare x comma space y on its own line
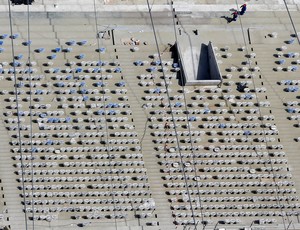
128, 21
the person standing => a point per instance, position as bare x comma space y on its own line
243, 9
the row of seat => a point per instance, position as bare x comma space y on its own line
100, 163
68, 178
202, 162
219, 147
247, 169
77, 149
245, 139
74, 186
221, 155
214, 213
86, 201
74, 141
230, 184
78, 209
253, 176
250, 175
73, 135
242, 199
130, 190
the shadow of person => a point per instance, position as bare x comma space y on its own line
228, 19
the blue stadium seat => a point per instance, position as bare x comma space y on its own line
291, 41
56, 50
80, 56
81, 43
101, 50
14, 36
3, 36
71, 43
78, 70
19, 57
51, 57
15, 64
152, 69
67, 50
27, 43
118, 70
39, 50
121, 84
138, 63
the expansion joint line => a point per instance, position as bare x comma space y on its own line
260, 114
187, 116
107, 144
29, 64
18, 116
172, 115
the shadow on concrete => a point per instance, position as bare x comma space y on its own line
203, 66
175, 57
20, 2
228, 19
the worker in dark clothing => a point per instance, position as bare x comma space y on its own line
243, 9
234, 16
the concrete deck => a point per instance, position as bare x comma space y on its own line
247, 52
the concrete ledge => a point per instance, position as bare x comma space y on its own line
143, 8
211, 83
